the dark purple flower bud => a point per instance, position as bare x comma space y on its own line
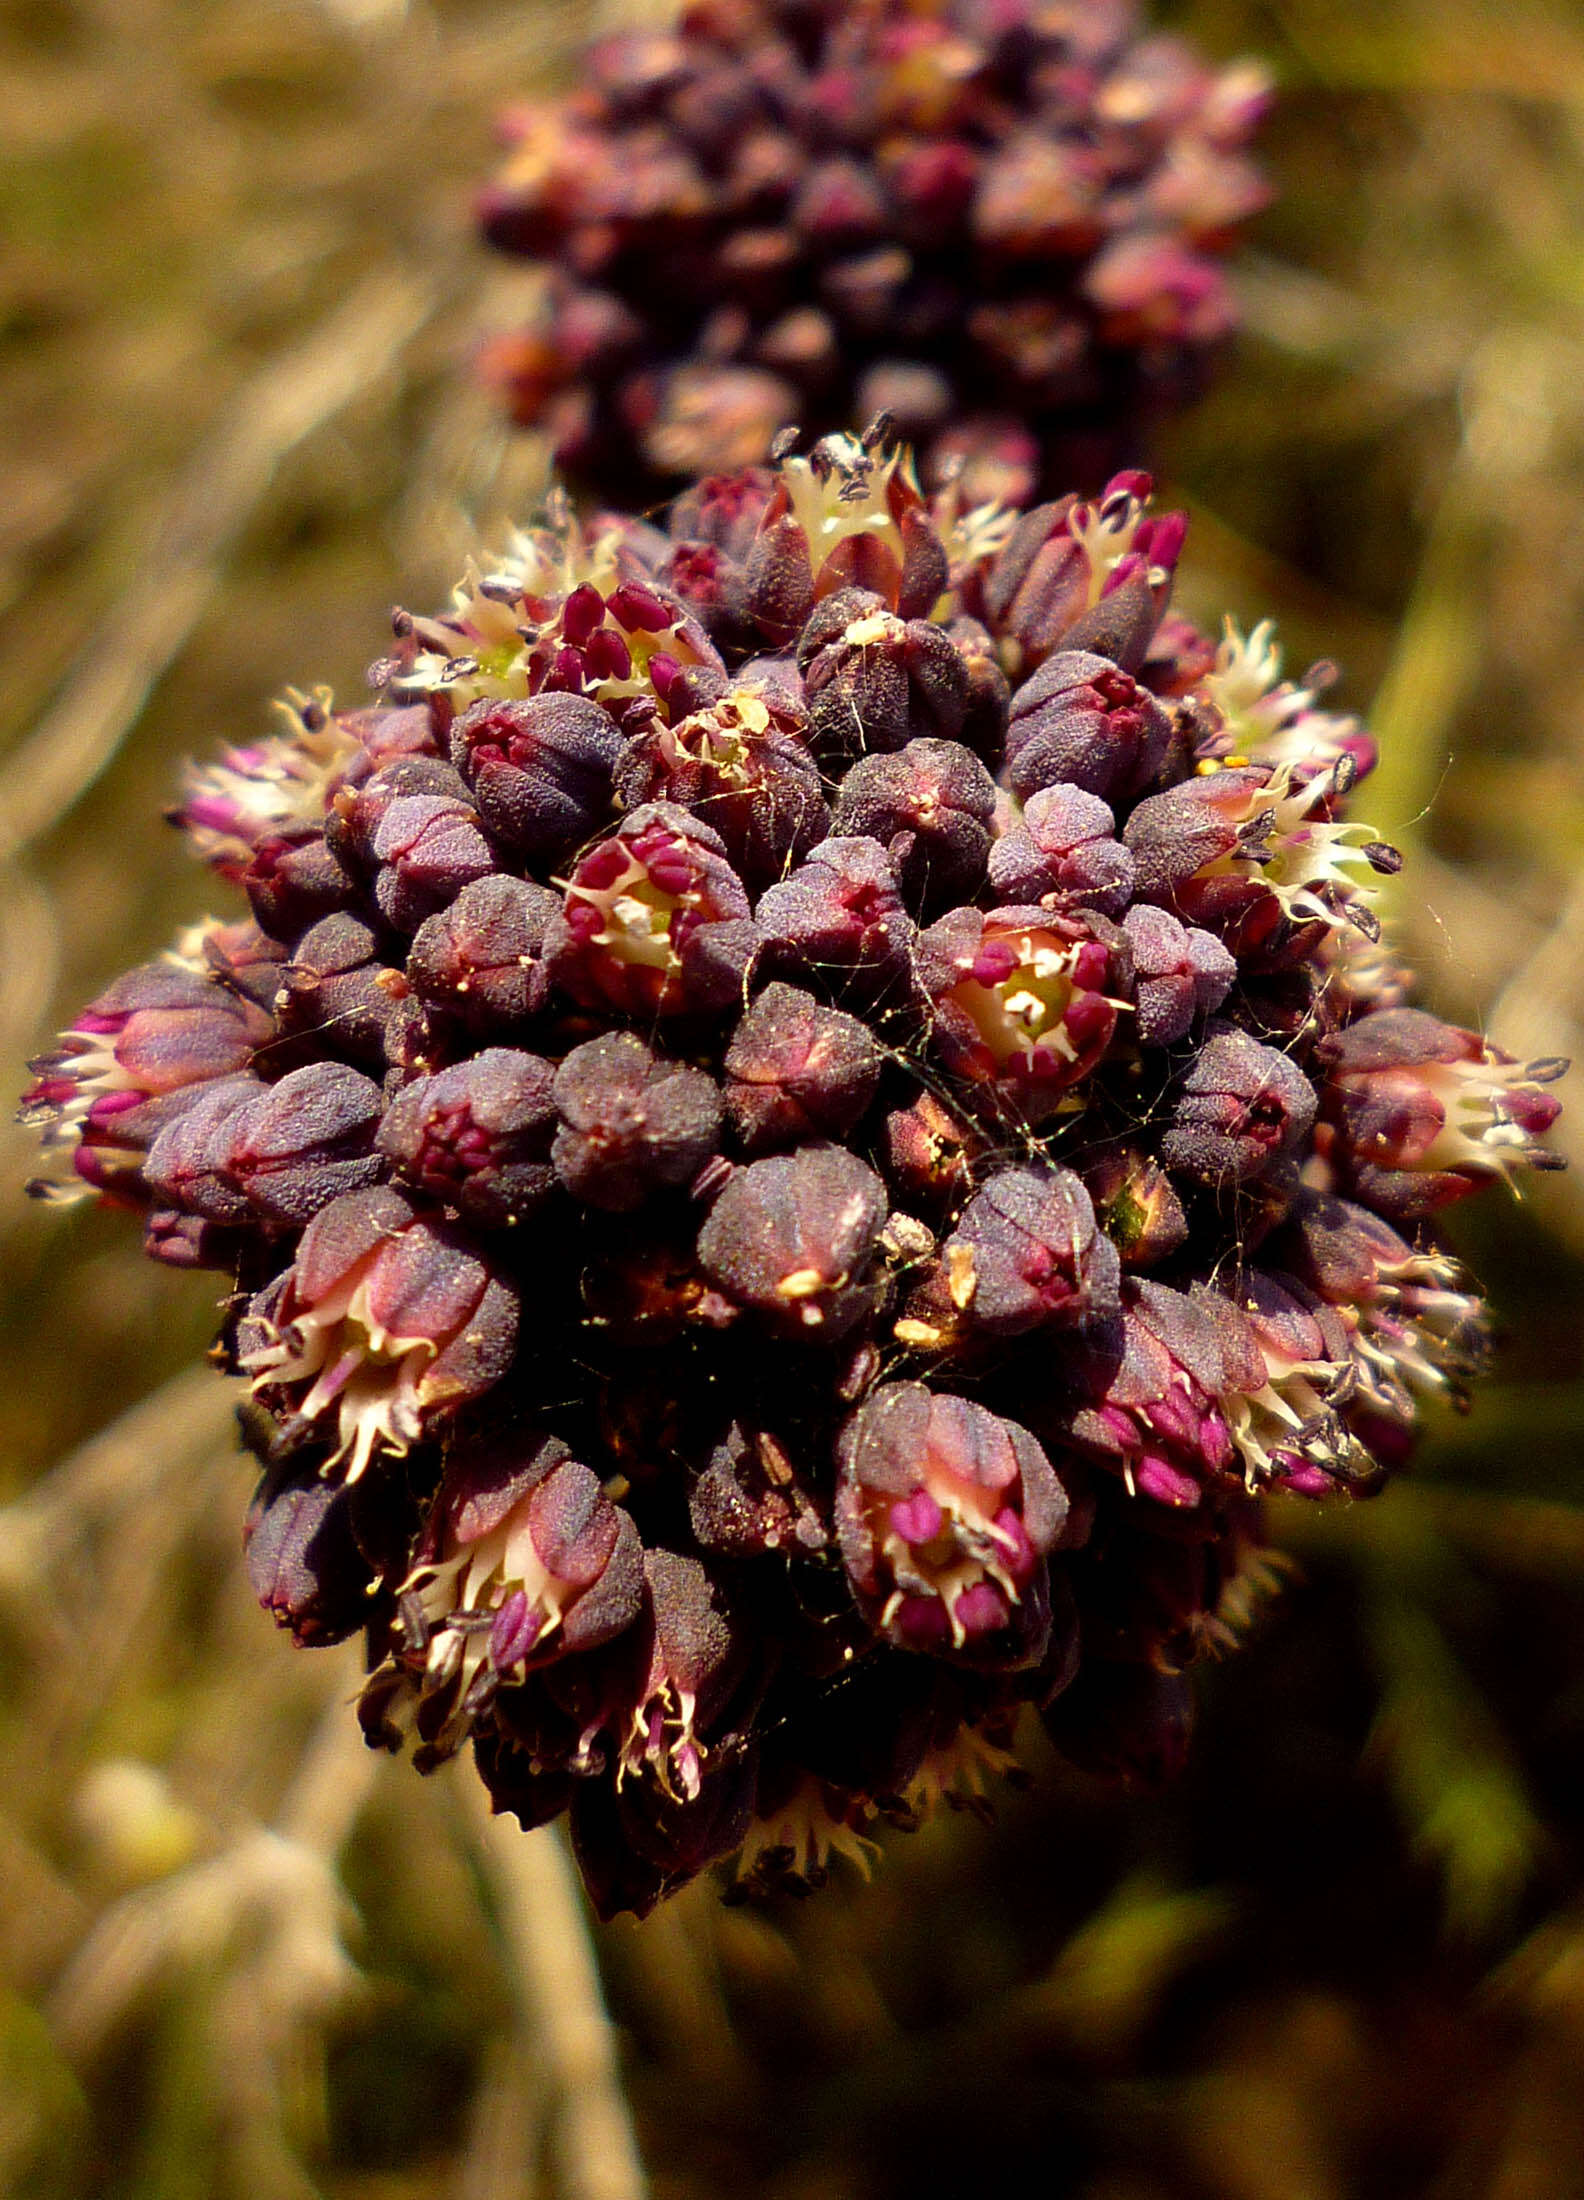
930, 807
386, 1321
841, 914
796, 1071
1026, 1252
184, 1162
945, 1514
1039, 582
723, 510
1179, 657
239, 957
294, 879
482, 960
276, 1153
477, 1136
655, 921
429, 847
1082, 722
632, 1124
336, 986
356, 813
750, 1500
176, 1240
1422, 1112
1239, 1107
1179, 974
1138, 1206
875, 681
540, 769
1019, 1002
1064, 855
1126, 1723
741, 763
304, 1561
135, 1058
795, 1239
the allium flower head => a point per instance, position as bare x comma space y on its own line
1005, 226
798, 1157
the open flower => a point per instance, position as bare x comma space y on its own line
386, 1320
945, 1515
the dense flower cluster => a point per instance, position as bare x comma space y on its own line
1000, 221
809, 1113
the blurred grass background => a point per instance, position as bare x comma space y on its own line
239, 1956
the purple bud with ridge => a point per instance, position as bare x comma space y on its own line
429, 847
1240, 1106
284, 1151
631, 1123
930, 806
1083, 722
183, 1168
304, 1562
540, 769
875, 681
989, 692
797, 1070
1027, 1253
842, 913
477, 1136
336, 985
481, 962
358, 810
294, 879
1064, 855
795, 1238
1179, 974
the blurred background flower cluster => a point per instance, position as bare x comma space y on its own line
1345, 1956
